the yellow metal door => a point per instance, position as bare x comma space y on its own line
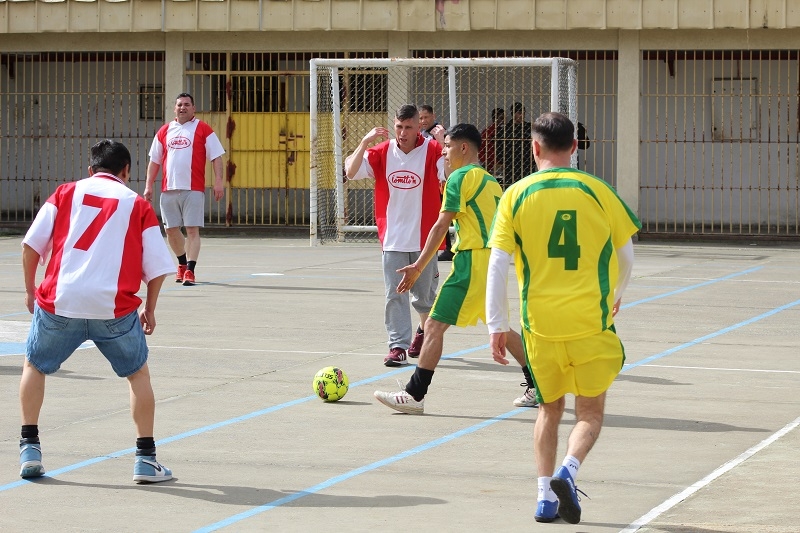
271, 153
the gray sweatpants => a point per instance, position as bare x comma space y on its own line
397, 315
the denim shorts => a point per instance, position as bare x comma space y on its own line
53, 338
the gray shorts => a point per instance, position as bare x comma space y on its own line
183, 208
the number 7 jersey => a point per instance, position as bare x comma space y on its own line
105, 241
562, 226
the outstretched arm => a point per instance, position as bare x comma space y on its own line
432, 243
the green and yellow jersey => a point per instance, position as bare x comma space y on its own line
473, 194
562, 227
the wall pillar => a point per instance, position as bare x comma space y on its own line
628, 118
174, 72
398, 79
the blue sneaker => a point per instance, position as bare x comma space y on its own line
546, 511
564, 486
30, 460
148, 470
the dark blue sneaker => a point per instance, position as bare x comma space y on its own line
546, 511
148, 470
30, 460
564, 486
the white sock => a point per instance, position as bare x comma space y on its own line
572, 465
545, 492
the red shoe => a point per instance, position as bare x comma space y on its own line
396, 357
416, 345
188, 278
181, 272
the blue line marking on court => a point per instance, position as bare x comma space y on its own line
278, 407
15, 314
691, 287
711, 335
471, 429
358, 471
8, 349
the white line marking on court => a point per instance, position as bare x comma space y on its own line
267, 274
688, 491
728, 369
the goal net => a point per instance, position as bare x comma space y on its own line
349, 97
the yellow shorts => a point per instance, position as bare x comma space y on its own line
462, 297
583, 367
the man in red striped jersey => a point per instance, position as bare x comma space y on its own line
180, 150
408, 171
104, 240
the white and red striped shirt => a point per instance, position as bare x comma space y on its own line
407, 195
105, 240
182, 151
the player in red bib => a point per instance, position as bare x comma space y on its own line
180, 151
105, 240
408, 171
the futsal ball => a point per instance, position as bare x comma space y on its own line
330, 383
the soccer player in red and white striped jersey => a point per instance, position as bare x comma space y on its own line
408, 171
104, 241
180, 151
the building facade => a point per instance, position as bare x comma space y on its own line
690, 107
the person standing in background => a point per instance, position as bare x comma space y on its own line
180, 151
427, 122
488, 153
515, 147
408, 171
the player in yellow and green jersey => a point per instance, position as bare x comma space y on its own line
470, 201
570, 237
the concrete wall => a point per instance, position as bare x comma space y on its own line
33, 16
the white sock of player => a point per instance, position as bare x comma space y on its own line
545, 492
572, 465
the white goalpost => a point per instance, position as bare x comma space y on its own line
349, 97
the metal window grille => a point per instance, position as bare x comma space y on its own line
56, 105
259, 104
720, 153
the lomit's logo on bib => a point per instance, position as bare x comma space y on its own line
177, 143
403, 179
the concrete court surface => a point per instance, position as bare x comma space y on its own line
700, 433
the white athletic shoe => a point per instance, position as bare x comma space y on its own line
528, 399
401, 401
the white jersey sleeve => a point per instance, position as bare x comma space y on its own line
364, 171
156, 259
214, 148
156, 152
40, 234
497, 291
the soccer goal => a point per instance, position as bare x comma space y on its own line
349, 97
